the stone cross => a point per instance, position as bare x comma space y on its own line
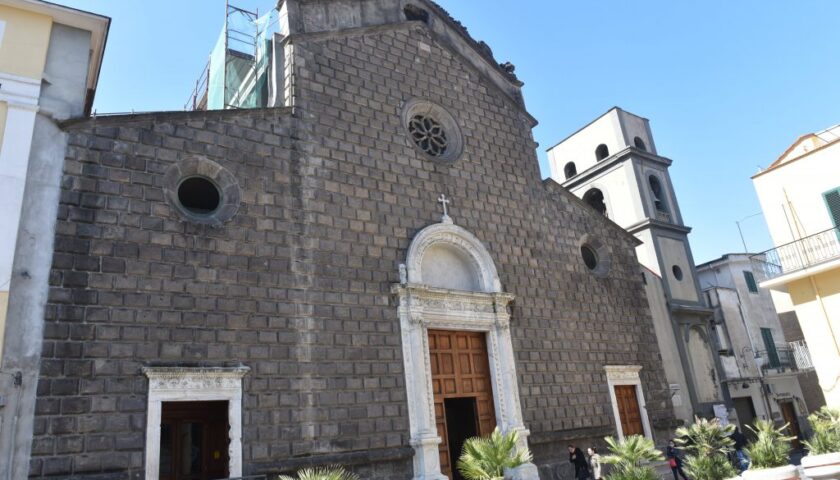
445, 201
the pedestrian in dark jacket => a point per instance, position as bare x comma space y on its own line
740, 442
674, 460
578, 459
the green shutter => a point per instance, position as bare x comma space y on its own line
832, 201
770, 345
751, 285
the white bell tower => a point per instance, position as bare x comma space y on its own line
613, 166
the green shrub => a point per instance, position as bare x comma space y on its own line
771, 447
709, 467
706, 437
629, 457
487, 458
322, 473
826, 426
707, 442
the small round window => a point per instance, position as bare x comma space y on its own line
595, 255
590, 258
678, 273
202, 191
199, 195
432, 130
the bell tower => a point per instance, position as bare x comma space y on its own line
612, 165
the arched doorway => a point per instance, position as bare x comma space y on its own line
457, 349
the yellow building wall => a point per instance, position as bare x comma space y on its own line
817, 303
23, 51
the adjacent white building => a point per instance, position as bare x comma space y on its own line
612, 164
800, 198
762, 369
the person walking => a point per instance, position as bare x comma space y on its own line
577, 459
740, 442
594, 462
674, 460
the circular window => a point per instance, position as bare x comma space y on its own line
595, 255
199, 195
428, 134
590, 258
432, 130
678, 273
202, 191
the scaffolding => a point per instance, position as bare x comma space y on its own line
236, 75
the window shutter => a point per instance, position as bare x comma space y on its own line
751, 285
770, 345
832, 200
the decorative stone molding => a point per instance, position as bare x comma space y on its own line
422, 308
225, 182
627, 375
178, 384
454, 236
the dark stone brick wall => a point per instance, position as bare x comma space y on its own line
296, 285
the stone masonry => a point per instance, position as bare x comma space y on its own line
296, 285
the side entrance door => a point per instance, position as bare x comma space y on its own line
628, 410
745, 410
463, 393
194, 441
789, 415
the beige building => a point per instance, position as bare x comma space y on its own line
612, 165
50, 57
800, 197
763, 368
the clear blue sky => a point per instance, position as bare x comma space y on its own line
727, 85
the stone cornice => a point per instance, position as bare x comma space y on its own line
610, 162
237, 372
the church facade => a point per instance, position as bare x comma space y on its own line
365, 273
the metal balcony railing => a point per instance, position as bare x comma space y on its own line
782, 359
798, 255
802, 355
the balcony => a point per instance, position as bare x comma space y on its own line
777, 362
802, 355
797, 256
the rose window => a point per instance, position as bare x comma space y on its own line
428, 134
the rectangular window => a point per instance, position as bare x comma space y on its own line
832, 202
770, 345
751, 285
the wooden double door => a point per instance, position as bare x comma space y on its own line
463, 393
628, 410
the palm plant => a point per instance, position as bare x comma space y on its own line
486, 458
826, 425
712, 467
322, 473
630, 457
707, 442
771, 446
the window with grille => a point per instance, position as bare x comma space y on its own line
751, 285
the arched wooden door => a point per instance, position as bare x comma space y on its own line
462, 389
